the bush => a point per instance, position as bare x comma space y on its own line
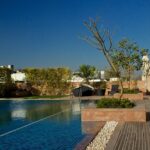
130, 91
48, 81
114, 103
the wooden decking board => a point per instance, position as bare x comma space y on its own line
132, 136
147, 137
125, 137
148, 134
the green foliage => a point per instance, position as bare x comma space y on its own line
87, 72
5, 75
130, 91
50, 81
110, 73
5, 82
128, 57
114, 103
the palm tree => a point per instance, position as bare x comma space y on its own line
87, 72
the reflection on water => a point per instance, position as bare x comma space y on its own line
20, 113
31, 110
46, 109
17, 113
88, 103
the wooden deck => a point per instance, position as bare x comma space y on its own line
132, 135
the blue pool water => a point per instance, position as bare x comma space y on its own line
40, 125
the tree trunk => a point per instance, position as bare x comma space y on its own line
129, 77
109, 61
121, 88
115, 70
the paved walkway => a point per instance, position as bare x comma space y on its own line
132, 136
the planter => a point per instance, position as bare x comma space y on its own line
114, 114
135, 97
137, 113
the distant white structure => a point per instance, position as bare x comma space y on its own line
95, 80
145, 67
146, 72
18, 77
102, 75
113, 79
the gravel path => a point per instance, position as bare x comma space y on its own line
102, 138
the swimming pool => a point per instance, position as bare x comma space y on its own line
40, 125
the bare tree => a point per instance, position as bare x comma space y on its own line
102, 40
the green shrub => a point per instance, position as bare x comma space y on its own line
130, 91
114, 103
48, 81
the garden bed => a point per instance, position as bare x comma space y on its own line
137, 114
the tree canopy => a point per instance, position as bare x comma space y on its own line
49, 81
128, 58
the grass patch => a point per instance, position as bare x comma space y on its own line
45, 96
114, 103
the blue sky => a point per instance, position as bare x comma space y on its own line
45, 33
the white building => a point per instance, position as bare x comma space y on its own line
8, 66
18, 77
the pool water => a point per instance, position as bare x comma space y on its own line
40, 125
